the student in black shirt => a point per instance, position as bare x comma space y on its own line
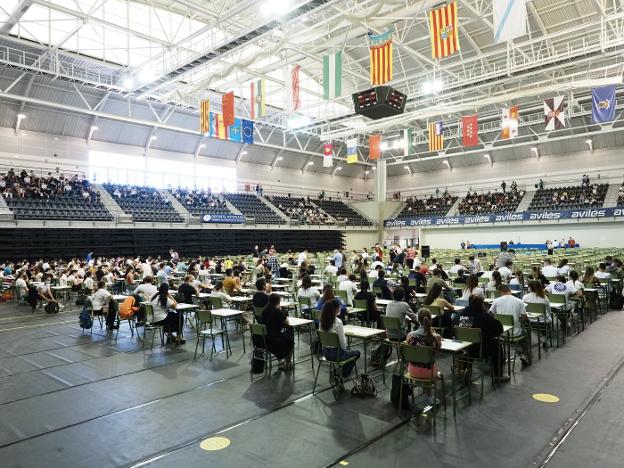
491, 329
280, 336
372, 313
381, 283
186, 290
261, 296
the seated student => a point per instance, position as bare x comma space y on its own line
146, 289
602, 274
307, 290
549, 271
491, 330
435, 298
374, 273
372, 313
161, 274
456, 267
21, 288
218, 292
471, 288
517, 282
88, 283
332, 324
399, 309
574, 282
230, 285
328, 295
423, 336
164, 307
280, 336
331, 269
589, 278
410, 292
261, 296
130, 307
186, 291
101, 298
435, 265
563, 268
421, 279
507, 304
382, 284
44, 293
537, 296
536, 274
505, 271
284, 271
342, 275
349, 286
436, 278
497, 281
559, 286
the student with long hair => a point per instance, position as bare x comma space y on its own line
472, 288
536, 274
589, 278
164, 306
280, 336
445, 320
332, 324
423, 336
517, 282
491, 329
372, 313
497, 281
328, 295
537, 295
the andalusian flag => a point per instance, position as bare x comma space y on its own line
217, 127
204, 116
408, 141
332, 75
436, 136
443, 31
258, 99
380, 51
352, 156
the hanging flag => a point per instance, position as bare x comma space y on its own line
408, 141
328, 153
204, 116
248, 132
291, 85
603, 104
436, 136
258, 103
217, 127
227, 107
470, 130
235, 131
509, 123
510, 19
554, 113
352, 156
332, 76
380, 51
374, 147
443, 31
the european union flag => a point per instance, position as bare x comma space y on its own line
603, 104
248, 132
236, 131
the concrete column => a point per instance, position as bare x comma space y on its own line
380, 182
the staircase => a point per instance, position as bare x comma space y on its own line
5, 212
111, 205
231, 207
611, 197
275, 209
455, 208
397, 212
177, 206
354, 208
526, 201
323, 211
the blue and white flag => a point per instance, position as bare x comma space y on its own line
236, 131
352, 145
510, 19
248, 132
603, 104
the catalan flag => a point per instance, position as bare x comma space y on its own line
443, 31
217, 127
204, 116
436, 137
380, 51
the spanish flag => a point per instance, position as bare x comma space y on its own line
436, 136
443, 31
217, 127
380, 51
204, 116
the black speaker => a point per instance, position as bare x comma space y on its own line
425, 251
503, 246
377, 103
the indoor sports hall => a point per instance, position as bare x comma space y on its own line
311, 233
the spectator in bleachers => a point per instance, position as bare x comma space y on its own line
428, 207
198, 198
491, 202
301, 210
28, 185
574, 197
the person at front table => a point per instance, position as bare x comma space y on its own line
382, 284
507, 304
218, 292
538, 296
280, 336
491, 330
372, 313
423, 336
435, 298
328, 295
164, 307
330, 323
399, 309
261, 296
186, 291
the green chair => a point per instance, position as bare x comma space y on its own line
257, 314
215, 302
362, 304
204, 328
151, 326
394, 326
422, 355
473, 335
562, 314
305, 304
377, 291
259, 343
541, 325
342, 295
510, 339
330, 340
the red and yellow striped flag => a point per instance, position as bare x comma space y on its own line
204, 116
436, 136
380, 50
443, 31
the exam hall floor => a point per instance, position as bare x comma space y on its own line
70, 398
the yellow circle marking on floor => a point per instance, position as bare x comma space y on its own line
214, 443
343, 463
545, 398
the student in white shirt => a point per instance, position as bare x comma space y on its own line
507, 304
563, 267
537, 296
146, 289
164, 307
331, 268
559, 286
375, 264
88, 283
21, 286
549, 271
342, 275
602, 273
329, 322
307, 290
303, 256
218, 292
574, 282
472, 288
350, 286
456, 267
100, 298
505, 271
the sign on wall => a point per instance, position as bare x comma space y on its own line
223, 218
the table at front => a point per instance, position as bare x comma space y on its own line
240, 300
224, 315
383, 302
62, 291
453, 347
182, 309
297, 323
365, 334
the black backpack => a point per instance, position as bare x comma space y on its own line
257, 362
51, 308
364, 387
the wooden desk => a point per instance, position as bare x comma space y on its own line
183, 309
298, 323
453, 347
364, 334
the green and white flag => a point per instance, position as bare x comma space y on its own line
332, 75
408, 141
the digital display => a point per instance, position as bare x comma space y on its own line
367, 99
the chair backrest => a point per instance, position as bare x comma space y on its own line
329, 339
377, 290
392, 323
305, 301
258, 329
417, 354
316, 314
536, 308
483, 280
216, 302
204, 317
341, 294
472, 335
557, 298
505, 319
258, 312
149, 310
435, 310
360, 304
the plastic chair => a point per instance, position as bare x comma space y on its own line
542, 325
510, 339
330, 340
258, 331
150, 326
473, 335
205, 330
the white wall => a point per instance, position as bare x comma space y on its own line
36, 150
609, 163
592, 234
359, 240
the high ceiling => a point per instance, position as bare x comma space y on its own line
137, 69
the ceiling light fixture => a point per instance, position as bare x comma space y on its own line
21, 116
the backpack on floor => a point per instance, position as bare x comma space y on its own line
85, 319
395, 392
51, 308
257, 361
380, 355
364, 387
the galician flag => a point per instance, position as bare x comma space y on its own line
408, 141
332, 76
510, 19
